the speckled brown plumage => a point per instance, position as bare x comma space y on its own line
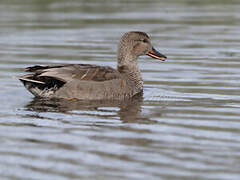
85, 81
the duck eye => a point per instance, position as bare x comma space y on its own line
142, 40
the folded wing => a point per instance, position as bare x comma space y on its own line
54, 77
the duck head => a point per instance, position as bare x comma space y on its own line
134, 44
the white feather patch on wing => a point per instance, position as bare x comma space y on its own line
31, 80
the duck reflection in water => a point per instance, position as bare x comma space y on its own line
129, 110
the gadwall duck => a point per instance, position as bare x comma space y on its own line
92, 82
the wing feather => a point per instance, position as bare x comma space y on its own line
67, 73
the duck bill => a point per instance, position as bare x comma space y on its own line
157, 55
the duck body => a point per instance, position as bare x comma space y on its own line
92, 82
80, 81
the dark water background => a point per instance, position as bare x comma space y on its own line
186, 125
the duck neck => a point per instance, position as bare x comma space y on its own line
128, 67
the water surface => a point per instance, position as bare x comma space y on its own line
186, 124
